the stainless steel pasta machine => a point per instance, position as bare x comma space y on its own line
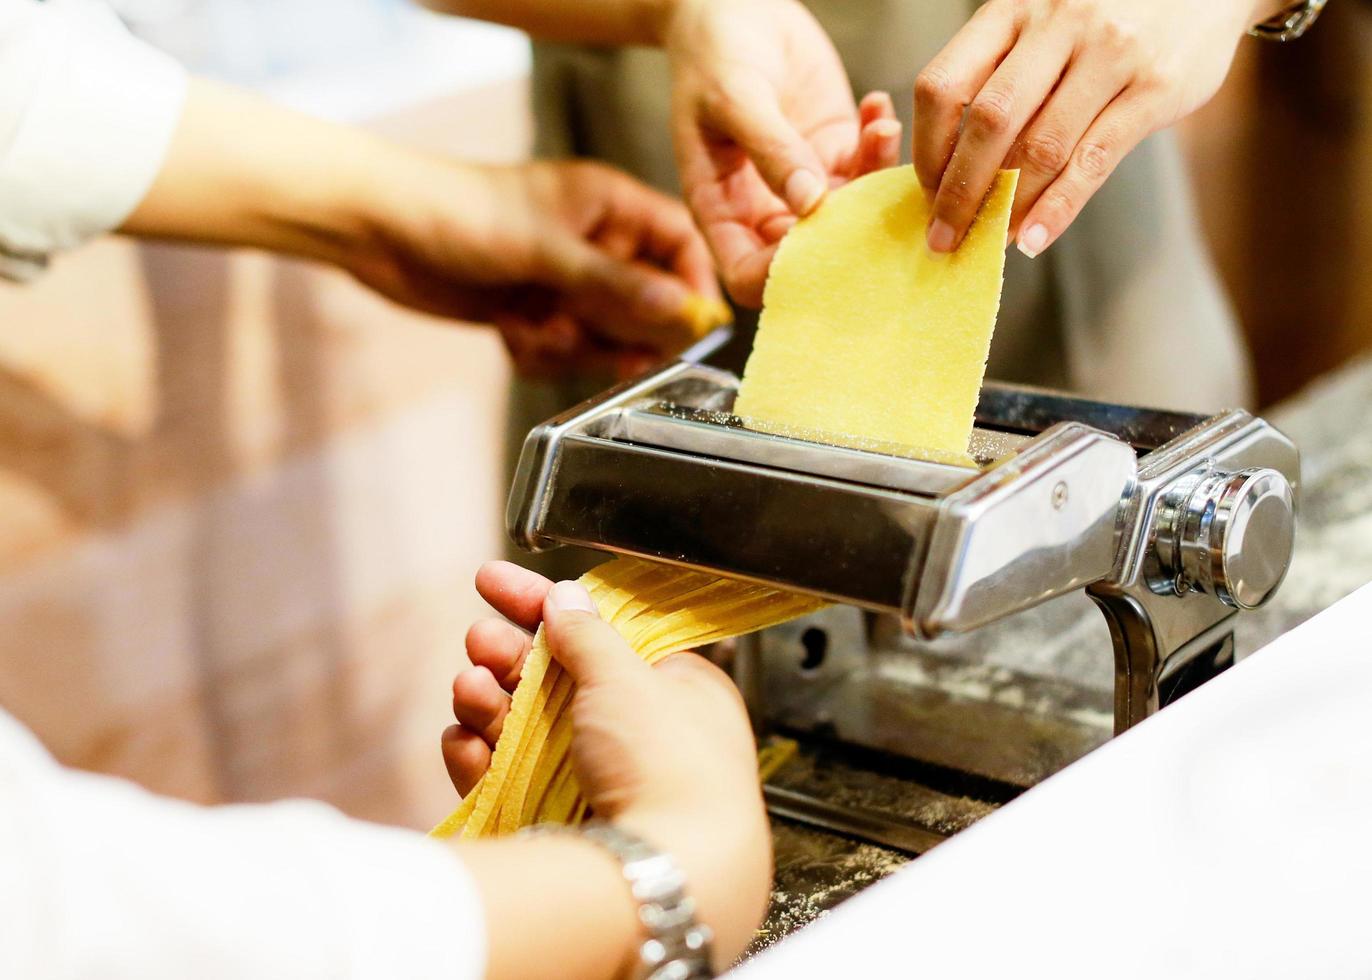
1171, 523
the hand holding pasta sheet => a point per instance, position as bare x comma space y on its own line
1061, 90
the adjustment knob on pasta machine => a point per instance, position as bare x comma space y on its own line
1230, 535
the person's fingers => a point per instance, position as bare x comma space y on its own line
591, 358
748, 113
744, 257
945, 86
499, 647
617, 240
878, 142
592, 276
628, 302
514, 592
694, 668
878, 147
1045, 147
628, 364
876, 105
479, 704
693, 264
994, 120
1123, 124
536, 333
775, 229
586, 646
466, 756
730, 203
647, 224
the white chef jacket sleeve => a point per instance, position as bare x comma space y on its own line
99, 878
86, 115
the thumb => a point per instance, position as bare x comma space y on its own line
752, 117
587, 647
623, 301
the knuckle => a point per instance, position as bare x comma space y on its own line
1079, 10
1047, 152
1017, 10
1094, 160
991, 112
742, 288
1057, 206
1117, 35
933, 87
715, 101
1158, 78
955, 199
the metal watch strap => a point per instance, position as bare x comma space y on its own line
1290, 23
677, 947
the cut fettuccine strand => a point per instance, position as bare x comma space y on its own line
660, 610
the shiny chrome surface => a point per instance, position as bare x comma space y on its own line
1156, 627
898, 833
528, 499
1233, 536
1170, 521
1036, 527
717, 435
846, 541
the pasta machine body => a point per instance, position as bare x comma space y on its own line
1172, 523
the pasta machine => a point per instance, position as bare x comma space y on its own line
1171, 523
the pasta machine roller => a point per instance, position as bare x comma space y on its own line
1171, 522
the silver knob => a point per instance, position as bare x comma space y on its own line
1234, 535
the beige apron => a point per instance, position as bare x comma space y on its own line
1125, 306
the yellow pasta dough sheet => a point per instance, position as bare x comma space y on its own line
866, 333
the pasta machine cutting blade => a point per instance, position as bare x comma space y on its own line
1172, 523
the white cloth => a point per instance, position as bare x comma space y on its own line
101, 880
1227, 836
86, 115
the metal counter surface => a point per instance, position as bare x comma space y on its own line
1331, 422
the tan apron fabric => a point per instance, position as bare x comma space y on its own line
1126, 306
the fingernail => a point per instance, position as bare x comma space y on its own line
570, 597
941, 236
803, 192
885, 128
663, 298
1033, 240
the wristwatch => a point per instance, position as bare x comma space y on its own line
677, 946
1291, 23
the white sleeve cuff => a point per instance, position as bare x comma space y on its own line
84, 135
101, 879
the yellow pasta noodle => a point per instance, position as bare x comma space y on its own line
666, 610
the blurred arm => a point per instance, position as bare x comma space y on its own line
585, 21
240, 171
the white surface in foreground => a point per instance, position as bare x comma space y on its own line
1229, 836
